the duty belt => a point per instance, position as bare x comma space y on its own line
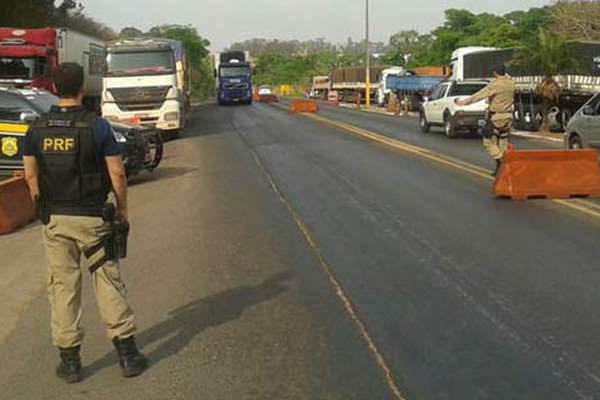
78, 211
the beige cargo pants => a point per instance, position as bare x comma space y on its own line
66, 238
497, 146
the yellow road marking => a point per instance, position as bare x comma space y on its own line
14, 129
583, 206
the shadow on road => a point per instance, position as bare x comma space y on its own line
187, 322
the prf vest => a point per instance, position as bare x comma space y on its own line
72, 171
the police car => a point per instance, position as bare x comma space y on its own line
140, 147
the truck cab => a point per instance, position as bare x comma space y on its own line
142, 83
234, 78
457, 62
29, 57
383, 91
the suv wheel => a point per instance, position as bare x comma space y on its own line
449, 128
423, 124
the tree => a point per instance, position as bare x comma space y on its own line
130, 33
195, 46
402, 46
41, 13
577, 19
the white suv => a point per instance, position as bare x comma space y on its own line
440, 110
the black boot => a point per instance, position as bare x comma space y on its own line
498, 162
69, 367
132, 362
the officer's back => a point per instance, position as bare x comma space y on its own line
72, 162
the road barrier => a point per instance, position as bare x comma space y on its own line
16, 207
268, 98
558, 174
255, 95
304, 105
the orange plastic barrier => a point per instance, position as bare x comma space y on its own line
255, 95
549, 174
16, 206
268, 98
304, 105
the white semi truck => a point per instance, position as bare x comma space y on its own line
147, 81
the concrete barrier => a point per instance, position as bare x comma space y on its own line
268, 98
304, 105
558, 174
16, 207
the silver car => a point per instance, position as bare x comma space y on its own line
583, 130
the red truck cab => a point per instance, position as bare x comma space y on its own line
28, 57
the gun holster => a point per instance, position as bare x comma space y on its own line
489, 130
115, 242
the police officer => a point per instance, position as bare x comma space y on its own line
501, 94
549, 91
71, 163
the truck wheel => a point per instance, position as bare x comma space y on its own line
575, 142
449, 129
423, 124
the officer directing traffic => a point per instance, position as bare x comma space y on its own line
72, 162
501, 95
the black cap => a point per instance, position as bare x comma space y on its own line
68, 79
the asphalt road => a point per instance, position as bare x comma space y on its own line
274, 256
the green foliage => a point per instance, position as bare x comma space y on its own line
195, 46
462, 28
43, 13
276, 69
295, 62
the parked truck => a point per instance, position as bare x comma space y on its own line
350, 82
147, 81
383, 89
320, 87
29, 57
233, 73
577, 85
410, 86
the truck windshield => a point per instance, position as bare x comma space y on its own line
140, 63
232, 72
18, 68
466, 89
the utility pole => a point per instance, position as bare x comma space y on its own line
368, 69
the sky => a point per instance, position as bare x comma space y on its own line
224, 22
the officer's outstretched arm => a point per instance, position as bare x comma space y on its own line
31, 175
118, 178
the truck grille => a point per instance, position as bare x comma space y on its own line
140, 98
236, 86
